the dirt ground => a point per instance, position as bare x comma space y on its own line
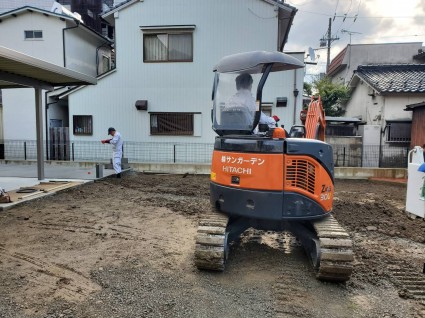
124, 248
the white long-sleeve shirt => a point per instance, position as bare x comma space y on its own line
244, 98
116, 143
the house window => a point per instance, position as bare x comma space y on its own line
171, 124
83, 125
168, 47
33, 35
398, 131
266, 108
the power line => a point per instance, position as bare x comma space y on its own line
336, 9
361, 17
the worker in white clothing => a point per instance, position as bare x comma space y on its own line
243, 97
116, 142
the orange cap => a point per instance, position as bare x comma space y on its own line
279, 132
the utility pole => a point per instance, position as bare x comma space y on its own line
328, 41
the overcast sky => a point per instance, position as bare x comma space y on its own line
378, 21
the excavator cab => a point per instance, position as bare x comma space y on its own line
238, 87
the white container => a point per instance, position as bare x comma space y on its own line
415, 203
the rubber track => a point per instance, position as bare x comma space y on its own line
210, 249
336, 251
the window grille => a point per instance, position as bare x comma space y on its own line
171, 123
83, 125
398, 131
341, 130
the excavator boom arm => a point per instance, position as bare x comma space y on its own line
315, 123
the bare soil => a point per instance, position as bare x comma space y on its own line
124, 248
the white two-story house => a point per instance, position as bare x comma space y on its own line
159, 95
58, 38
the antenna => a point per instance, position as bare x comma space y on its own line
349, 33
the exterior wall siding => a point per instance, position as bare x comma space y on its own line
376, 110
418, 123
48, 49
19, 104
19, 113
223, 27
362, 105
395, 105
78, 41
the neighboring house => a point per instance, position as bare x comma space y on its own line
418, 124
380, 93
346, 62
88, 10
9, 5
59, 39
160, 91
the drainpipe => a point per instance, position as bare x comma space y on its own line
46, 107
295, 96
63, 39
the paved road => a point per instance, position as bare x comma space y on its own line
14, 176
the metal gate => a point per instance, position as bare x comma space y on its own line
59, 143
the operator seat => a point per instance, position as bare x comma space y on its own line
236, 117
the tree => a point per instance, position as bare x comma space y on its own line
333, 96
308, 89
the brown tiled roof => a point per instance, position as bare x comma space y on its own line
394, 78
336, 63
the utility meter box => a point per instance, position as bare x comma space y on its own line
415, 201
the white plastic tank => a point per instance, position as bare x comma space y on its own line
415, 201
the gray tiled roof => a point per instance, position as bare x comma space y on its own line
9, 5
394, 78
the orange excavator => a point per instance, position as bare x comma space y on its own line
265, 178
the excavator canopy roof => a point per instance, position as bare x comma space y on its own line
254, 62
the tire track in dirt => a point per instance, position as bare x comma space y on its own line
104, 229
290, 295
60, 280
410, 284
